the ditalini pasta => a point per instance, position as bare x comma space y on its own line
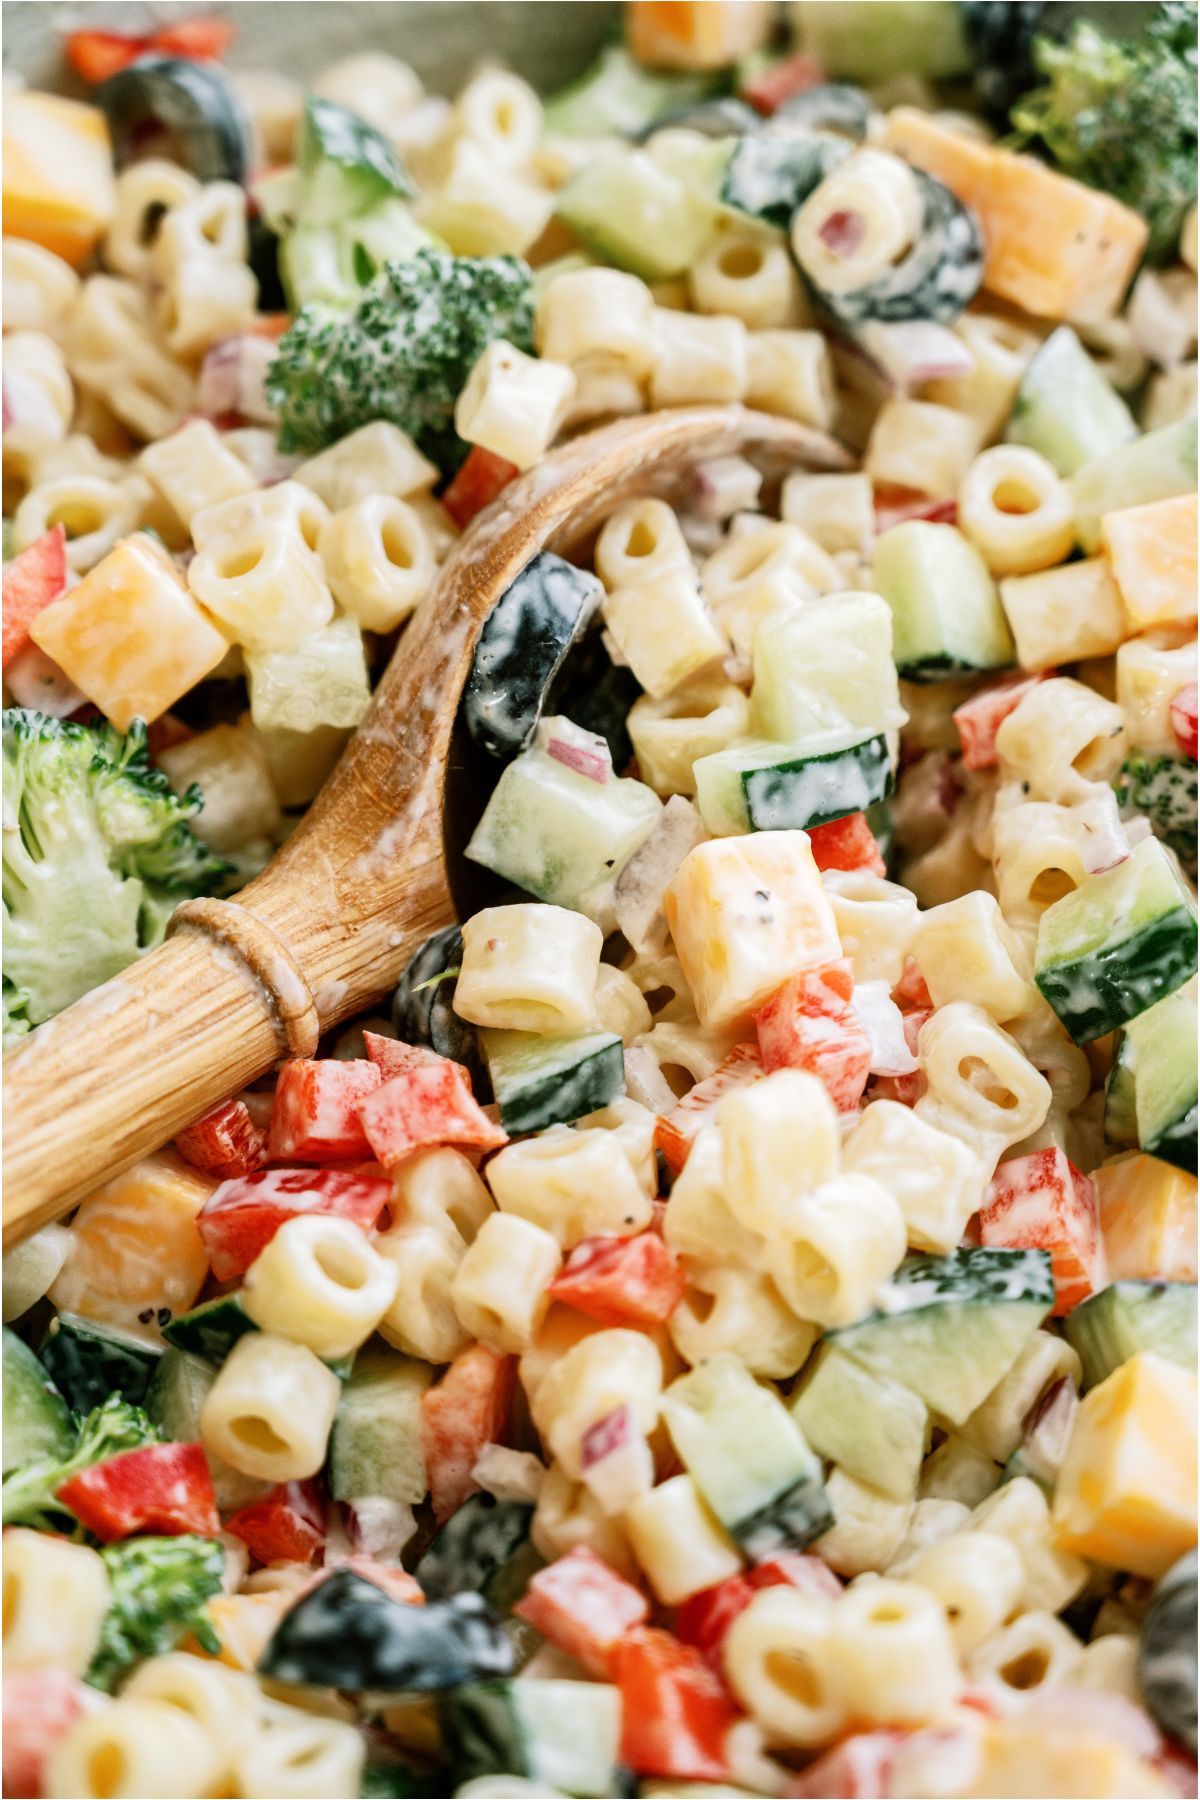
728, 1324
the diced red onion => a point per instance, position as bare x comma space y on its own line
38, 683
724, 486
509, 1474
637, 895
379, 1527
914, 351
584, 751
883, 1023
1080, 1712
233, 377
842, 232
615, 1459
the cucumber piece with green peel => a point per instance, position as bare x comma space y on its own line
37, 1420
826, 666
1164, 790
344, 165
768, 174
561, 1737
1150, 1096
1130, 1316
375, 1445
1123, 940
1157, 466
759, 786
947, 618
620, 96
212, 1328
473, 1546
87, 1362
859, 40
950, 1327
1066, 409
872, 1427
629, 210
540, 1081
1167, 1653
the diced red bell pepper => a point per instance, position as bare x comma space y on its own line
423, 1105
391, 1057
847, 843
704, 1618
809, 1023
1183, 720
980, 718
467, 1409
675, 1712
31, 581
1043, 1202
165, 1488
912, 990
676, 1131
896, 505
316, 1113
40, 1706
243, 1215
95, 55
783, 80
476, 485
202, 38
622, 1281
224, 1142
582, 1607
859, 1768
796, 1569
288, 1525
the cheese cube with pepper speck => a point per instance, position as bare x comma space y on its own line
1126, 1493
745, 913
130, 636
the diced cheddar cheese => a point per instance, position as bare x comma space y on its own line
1053, 246
1147, 1219
130, 636
1021, 1758
745, 913
58, 175
1126, 1493
244, 1624
696, 34
136, 1251
1064, 614
1152, 552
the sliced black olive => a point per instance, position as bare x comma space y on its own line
770, 173
720, 118
833, 106
1000, 35
473, 1544
423, 1007
1167, 1652
192, 101
264, 260
521, 648
938, 277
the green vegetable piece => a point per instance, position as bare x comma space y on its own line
872, 1427
628, 209
791, 787
1129, 1316
1157, 466
1066, 409
946, 612
1164, 789
345, 165
618, 96
1150, 1099
29, 1491
88, 1361
375, 1445
37, 1420
159, 1588
1167, 1652
474, 1543
540, 1081
212, 1328
861, 41
562, 1735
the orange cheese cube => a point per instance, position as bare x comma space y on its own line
1126, 1493
244, 1623
1147, 1219
1024, 1759
745, 913
1152, 550
130, 635
1053, 246
696, 34
135, 1248
58, 174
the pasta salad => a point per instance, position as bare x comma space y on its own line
729, 1326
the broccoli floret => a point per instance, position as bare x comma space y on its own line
97, 853
1122, 116
403, 354
108, 1430
158, 1589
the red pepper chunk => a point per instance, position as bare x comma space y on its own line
482, 476
31, 581
704, 1618
809, 1023
846, 843
622, 1281
288, 1525
1183, 719
315, 1115
1043, 1202
243, 1215
423, 1105
202, 38
467, 1409
781, 81
582, 1607
675, 1712
391, 1057
676, 1131
980, 718
96, 55
165, 1488
224, 1142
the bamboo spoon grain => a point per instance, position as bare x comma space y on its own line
325, 930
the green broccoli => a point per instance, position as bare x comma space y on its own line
403, 354
1122, 116
158, 1589
97, 853
27, 1497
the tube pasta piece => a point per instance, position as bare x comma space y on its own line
936, 1179
265, 586
605, 1370
270, 1410
501, 1289
840, 1243
56, 1595
891, 1656
1060, 740
1016, 510
966, 952
980, 1087
777, 1661
378, 560
574, 1183
136, 1747
512, 404
670, 734
319, 1283
779, 1138
747, 274
740, 1311
193, 470
529, 968
677, 1541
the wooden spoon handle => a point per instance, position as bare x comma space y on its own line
323, 933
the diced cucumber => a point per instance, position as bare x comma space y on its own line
630, 211
946, 613
473, 1546
1150, 1098
1039, 1455
826, 666
375, 1446
212, 1328
329, 265
1130, 1316
1121, 941
540, 1081
747, 1456
345, 166
563, 1736
1158, 466
866, 1423
557, 833
620, 96
1167, 1653
521, 648
1065, 408
37, 1421
87, 1362
758, 786
769, 174
951, 1327
180, 1387
1163, 788
859, 40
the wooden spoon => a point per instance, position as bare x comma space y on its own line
324, 932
